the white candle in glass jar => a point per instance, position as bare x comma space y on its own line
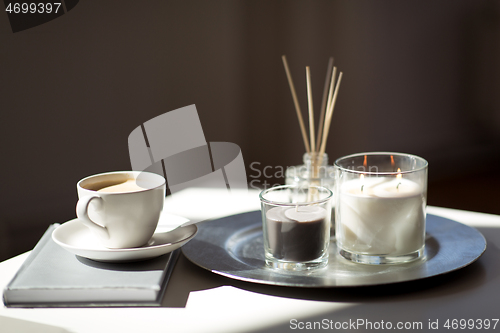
381, 215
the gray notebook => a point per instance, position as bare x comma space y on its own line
54, 277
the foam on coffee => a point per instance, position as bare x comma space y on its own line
130, 185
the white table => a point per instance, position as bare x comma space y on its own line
199, 301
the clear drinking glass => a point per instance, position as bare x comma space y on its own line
296, 226
314, 172
380, 207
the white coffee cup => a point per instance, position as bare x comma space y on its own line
121, 208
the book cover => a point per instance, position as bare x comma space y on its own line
54, 277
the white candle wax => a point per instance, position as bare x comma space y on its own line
305, 214
381, 215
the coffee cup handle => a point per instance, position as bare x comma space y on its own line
82, 208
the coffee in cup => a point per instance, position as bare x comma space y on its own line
121, 208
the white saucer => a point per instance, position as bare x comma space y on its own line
76, 238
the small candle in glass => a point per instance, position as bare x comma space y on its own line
296, 226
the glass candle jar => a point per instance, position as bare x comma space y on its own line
380, 207
296, 226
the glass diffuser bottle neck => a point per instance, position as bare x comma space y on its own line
315, 159
315, 164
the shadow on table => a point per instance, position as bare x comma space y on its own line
424, 306
470, 282
157, 263
188, 277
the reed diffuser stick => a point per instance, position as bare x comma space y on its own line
329, 102
296, 103
324, 100
311, 110
329, 115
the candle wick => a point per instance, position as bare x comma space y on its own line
397, 187
362, 187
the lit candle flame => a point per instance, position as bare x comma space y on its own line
365, 163
392, 162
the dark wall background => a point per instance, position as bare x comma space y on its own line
421, 77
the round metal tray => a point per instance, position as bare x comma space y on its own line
233, 247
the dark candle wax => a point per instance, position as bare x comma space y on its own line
297, 235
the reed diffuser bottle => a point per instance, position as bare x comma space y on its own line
314, 172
